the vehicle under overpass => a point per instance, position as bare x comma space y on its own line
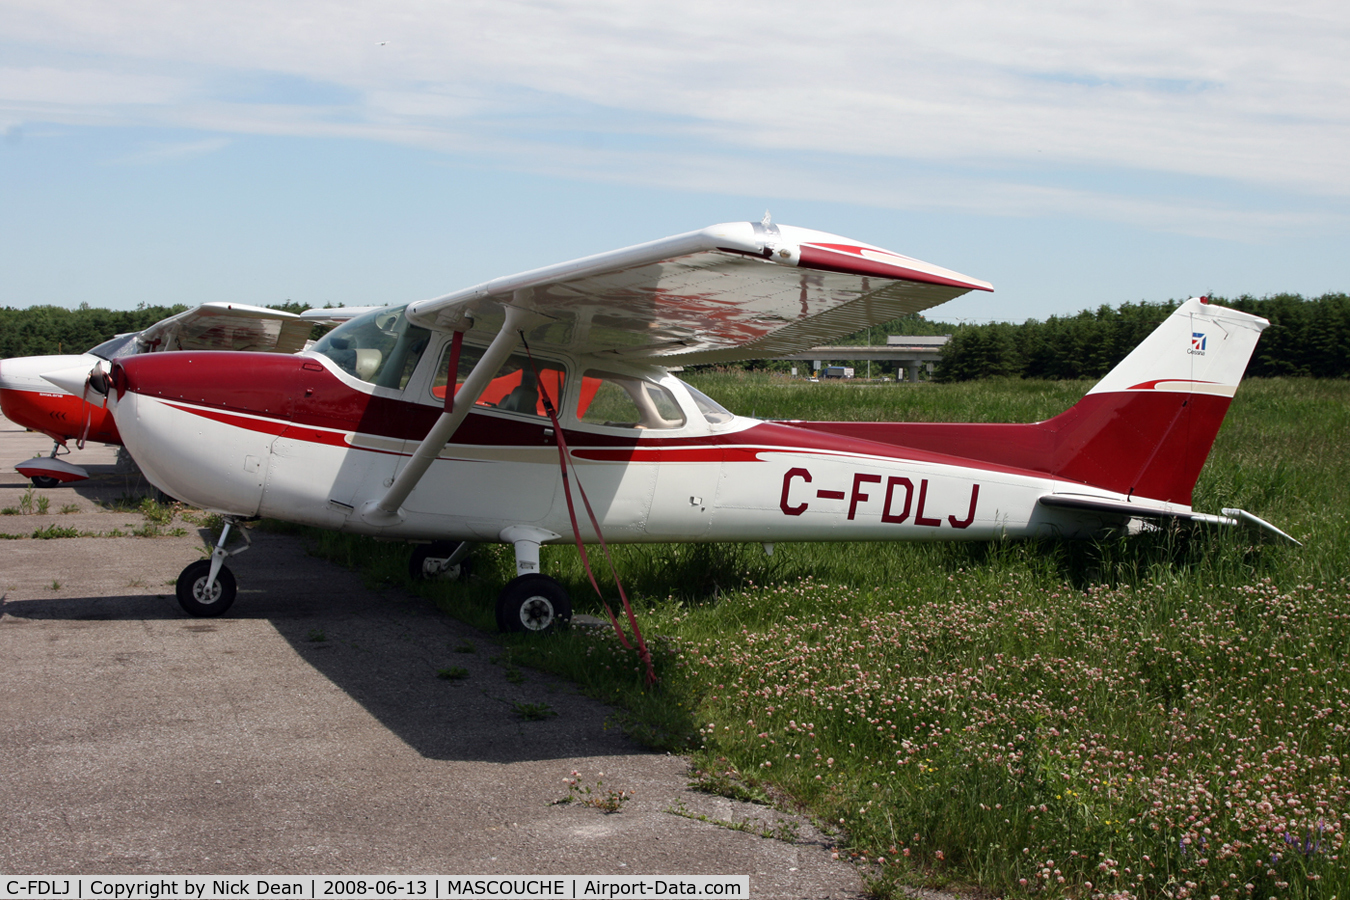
910, 353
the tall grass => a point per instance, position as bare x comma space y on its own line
1157, 715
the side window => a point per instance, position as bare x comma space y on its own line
623, 401
514, 388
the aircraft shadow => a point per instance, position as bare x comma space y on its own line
384, 649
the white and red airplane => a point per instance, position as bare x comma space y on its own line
27, 399
571, 362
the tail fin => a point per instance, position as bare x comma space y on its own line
1144, 430
1147, 427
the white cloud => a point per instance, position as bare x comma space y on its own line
1248, 92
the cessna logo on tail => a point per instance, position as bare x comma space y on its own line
1197, 343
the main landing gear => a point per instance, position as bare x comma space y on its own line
531, 602
441, 561
206, 588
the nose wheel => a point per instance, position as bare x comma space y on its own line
206, 588
199, 595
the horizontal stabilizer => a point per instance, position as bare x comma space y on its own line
1141, 511
1133, 510
1259, 522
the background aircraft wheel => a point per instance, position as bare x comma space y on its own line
44, 481
428, 562
533, 602
192, 595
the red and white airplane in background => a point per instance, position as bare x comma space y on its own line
445, 421
27, 399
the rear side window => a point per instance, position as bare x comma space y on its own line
622, 401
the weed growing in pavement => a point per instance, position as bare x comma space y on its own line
782, 830
606, 800
466, 647
55, 531
70, 508
43, 504
26, 503
453, 673
157, 513
534, 712
316, 636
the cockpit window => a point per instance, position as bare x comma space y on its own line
623, 401
711, 409
515, 388
381, 347
122, 345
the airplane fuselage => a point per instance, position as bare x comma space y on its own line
301, 440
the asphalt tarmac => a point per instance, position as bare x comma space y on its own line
135, 740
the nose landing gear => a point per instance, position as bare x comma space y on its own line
206, 588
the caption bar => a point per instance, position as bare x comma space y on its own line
553, 887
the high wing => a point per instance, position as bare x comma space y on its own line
743, 290
228, 326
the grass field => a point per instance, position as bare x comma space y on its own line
1161, 715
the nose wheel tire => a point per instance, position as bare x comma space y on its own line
192, 593
432, 562
533, 603
44, 481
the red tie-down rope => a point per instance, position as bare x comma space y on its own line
563, 456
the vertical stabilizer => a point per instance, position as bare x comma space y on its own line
1148, 426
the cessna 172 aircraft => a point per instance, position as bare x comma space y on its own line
445, 420
27, 399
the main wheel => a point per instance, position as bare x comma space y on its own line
192, 594
430, 561
44, 481
534, 603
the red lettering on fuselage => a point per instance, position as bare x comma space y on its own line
859, 496
891, 484
970, 515
919, 517
859, 480
787, 485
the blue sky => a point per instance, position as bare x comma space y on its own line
1073, 154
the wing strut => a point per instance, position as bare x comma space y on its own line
388, 509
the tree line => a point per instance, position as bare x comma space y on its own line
44, 330
1305, 338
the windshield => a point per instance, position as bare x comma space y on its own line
714, 412
380, 347
122, 345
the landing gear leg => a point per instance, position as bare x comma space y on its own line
206, 587
441, 560
531, 602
